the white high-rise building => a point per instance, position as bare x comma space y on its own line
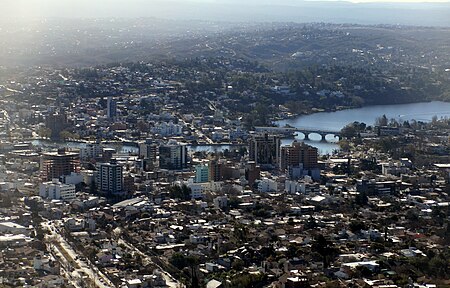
110, 178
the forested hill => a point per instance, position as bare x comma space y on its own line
281, 46
270, 67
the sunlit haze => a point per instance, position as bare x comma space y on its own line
231, 10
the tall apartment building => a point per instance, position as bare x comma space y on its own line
111, 108
56, 164
298, 153
110, 179
252, 172
216, 170
148, 151
173, 156
300, 159
56, 122
264, 149
201, 173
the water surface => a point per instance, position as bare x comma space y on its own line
335, 121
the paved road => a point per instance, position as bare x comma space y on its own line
65, 265
85, 267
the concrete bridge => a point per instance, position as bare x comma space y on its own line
305, 131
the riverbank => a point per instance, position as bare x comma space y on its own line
422, 111
333, 120
344, 108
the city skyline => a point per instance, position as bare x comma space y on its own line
225, 144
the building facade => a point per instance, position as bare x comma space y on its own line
55, 190
149, 152
110, 179
111, 108
264, 149
299, 153
216, 170
201, 173
60, 163
91, 151
173, 156
300, 159
56, 122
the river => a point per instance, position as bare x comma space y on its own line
335, 121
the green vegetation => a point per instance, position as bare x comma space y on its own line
181, 261
247, 280
180, 192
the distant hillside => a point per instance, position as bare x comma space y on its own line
280, 46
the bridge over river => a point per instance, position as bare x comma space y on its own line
306, 131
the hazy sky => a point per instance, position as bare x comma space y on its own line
410, 12
28, 8
55, 7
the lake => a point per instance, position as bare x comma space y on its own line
335, 121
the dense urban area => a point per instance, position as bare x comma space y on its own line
146, 171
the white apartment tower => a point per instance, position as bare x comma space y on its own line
110, 178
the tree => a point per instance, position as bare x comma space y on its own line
240, 232
438, 266
45, 132
412, 215
93, 188
238, 265
353, 129
234, 202
64, 135
356, 226
181, 261
386, 144
394, 123
434, 119
259, 116
381, 121
344, 144
361, 199
325, 248
247, 280
180, 192
349, 131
